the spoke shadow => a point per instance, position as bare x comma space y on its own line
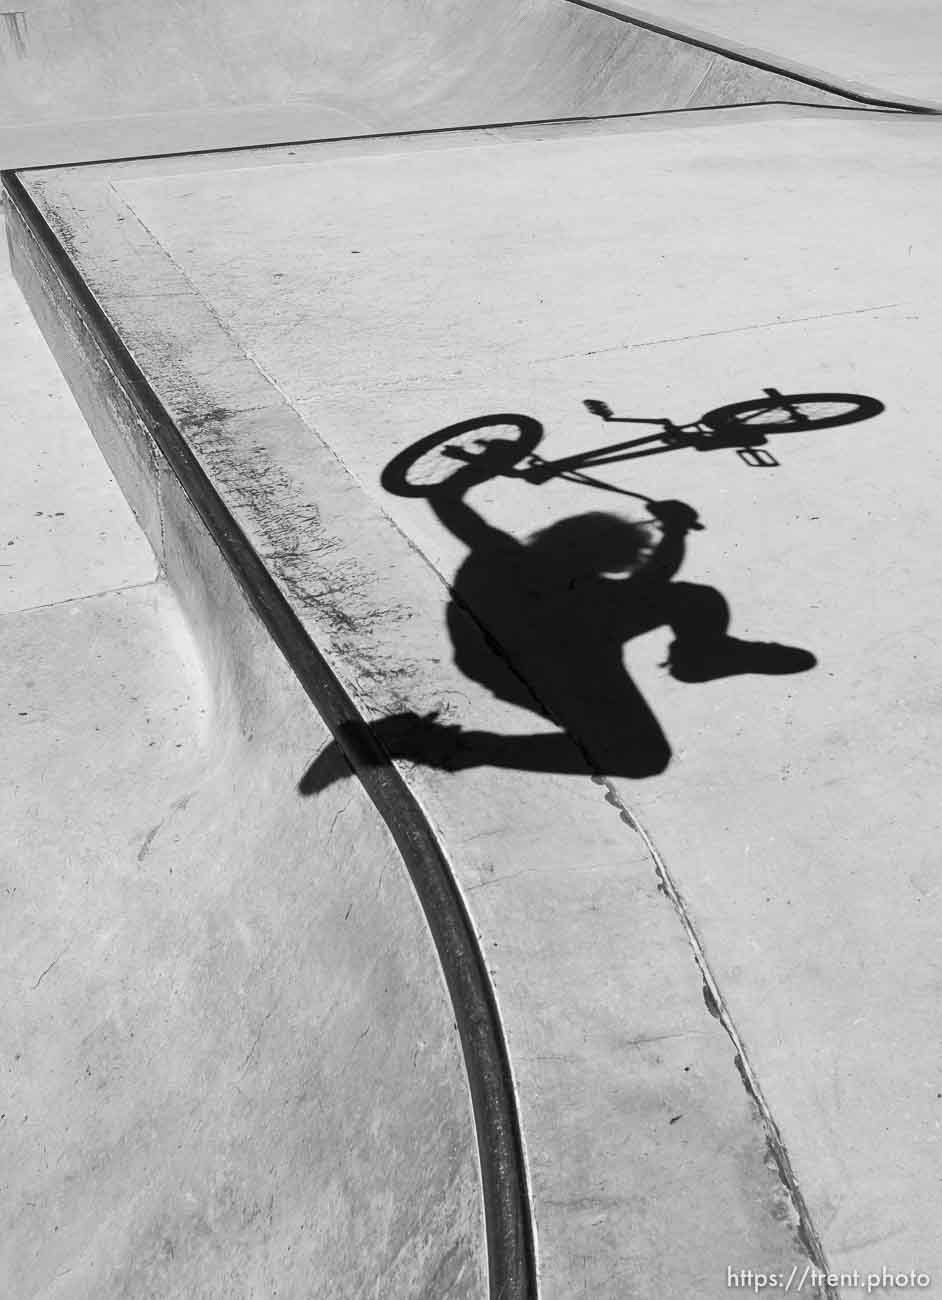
543, 624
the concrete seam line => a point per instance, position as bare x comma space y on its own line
755, 59
716, 1005
507, 1208
859, 103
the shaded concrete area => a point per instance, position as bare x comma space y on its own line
350, 329
229, 1059
86, 79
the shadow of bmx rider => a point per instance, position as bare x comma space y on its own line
549, 620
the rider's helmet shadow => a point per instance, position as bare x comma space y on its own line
543, 625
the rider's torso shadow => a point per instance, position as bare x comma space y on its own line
554, 631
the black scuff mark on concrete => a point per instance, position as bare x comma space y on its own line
14, 28
177, 806
257, 1039
709, 998
199, 419
147, 841
301, 554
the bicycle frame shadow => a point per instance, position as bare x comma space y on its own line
729, 427
543, 624
723, 428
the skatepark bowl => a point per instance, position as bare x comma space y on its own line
470, 617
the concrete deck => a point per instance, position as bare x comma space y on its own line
303, 314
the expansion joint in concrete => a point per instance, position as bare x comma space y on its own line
718, 1008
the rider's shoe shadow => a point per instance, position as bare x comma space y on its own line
543, 625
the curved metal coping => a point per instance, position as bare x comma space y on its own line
507, 1210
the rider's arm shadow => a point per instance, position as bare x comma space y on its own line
452, 511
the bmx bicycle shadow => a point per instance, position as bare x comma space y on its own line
543, 623
744, 427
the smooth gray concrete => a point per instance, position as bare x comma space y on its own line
87, 79
67, 529
348, 304
230, 1066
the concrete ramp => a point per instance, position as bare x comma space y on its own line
869, 48
86, 79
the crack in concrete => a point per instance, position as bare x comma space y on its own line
91, 595
256, 1040
710, 334
339, 813
55, 961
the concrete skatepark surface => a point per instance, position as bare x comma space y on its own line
705, 967
86, 79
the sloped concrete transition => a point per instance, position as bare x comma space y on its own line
86, 79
